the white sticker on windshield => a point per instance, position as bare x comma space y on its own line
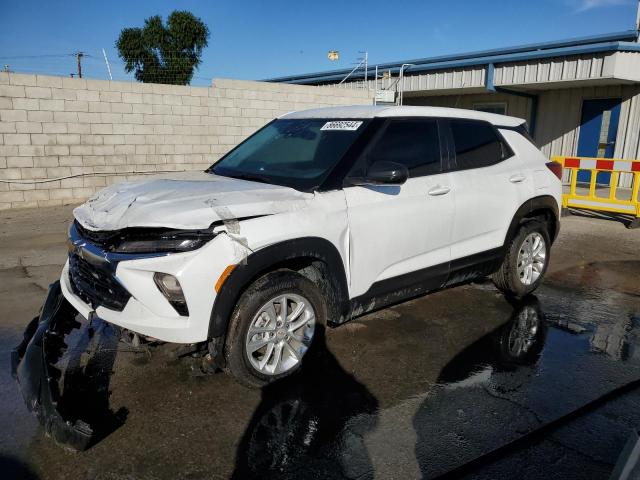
342, 125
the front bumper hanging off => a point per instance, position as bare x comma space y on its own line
32, 365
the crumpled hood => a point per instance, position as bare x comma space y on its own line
189, 200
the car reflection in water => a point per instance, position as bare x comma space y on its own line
311, 425
454, 423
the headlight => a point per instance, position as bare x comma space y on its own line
167, 241
144, 239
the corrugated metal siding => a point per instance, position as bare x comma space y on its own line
473, 77
576, 67
516, 106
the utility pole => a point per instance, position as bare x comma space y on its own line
638, 20
79, 56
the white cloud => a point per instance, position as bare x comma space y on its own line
584, 5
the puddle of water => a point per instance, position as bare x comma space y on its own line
441, 381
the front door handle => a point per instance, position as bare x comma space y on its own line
439, 190
517, 178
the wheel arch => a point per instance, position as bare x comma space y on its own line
310, 256
544, 206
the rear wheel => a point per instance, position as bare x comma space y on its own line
526, 260
272, 327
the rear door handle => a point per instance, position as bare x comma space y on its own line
517, 178
439, 190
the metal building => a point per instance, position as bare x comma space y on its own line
580, 96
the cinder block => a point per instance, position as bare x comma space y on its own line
113, 139
125, 149
92, 160
107, 96
38, 92
53, 105
132, 118
43, 139
12, 91
21, 103
131, 97
11, 197
102, 129
44, 162
103, 150
48, 81
121, 108
13, 116
56, 150
61, 193
11, 174
122, 128
84, 117
19, 162
111, 117
94, 181
21, 79
29, 127
63, 94
142, 129
8, 127
84, 192
92, 139
100, 107
16, 139
145, 149
142, 108
68, 139
35, 195
70, 161
62, 117
88, 95
161, 109
76, 106
81, 149
82, 128
30, 150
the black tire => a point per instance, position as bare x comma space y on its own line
507, 278
254, 297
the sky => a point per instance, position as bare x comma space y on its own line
262, 39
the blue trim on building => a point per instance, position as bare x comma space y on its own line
621, 41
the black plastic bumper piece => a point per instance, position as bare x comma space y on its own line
31, 365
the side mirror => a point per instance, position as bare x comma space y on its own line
385, 173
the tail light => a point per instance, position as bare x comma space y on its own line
556, 168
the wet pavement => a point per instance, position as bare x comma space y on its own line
461, 382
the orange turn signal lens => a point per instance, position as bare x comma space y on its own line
223, 277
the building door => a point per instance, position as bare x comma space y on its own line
598, 130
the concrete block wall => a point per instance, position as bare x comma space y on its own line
62, 139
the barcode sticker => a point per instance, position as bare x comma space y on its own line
342, 125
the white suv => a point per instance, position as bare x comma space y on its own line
320, 216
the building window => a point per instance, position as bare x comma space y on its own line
496, 107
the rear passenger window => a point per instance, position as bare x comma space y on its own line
413, 143
477, 144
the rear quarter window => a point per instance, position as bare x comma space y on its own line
477, 144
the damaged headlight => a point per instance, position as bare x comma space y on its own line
176, 241
143, 239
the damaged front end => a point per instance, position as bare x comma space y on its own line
73, 411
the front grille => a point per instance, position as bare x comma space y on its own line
96, 285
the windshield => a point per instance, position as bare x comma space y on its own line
298, 153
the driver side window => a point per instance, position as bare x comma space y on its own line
410, 142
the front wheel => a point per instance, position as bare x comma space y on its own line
525, 261
273, 327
